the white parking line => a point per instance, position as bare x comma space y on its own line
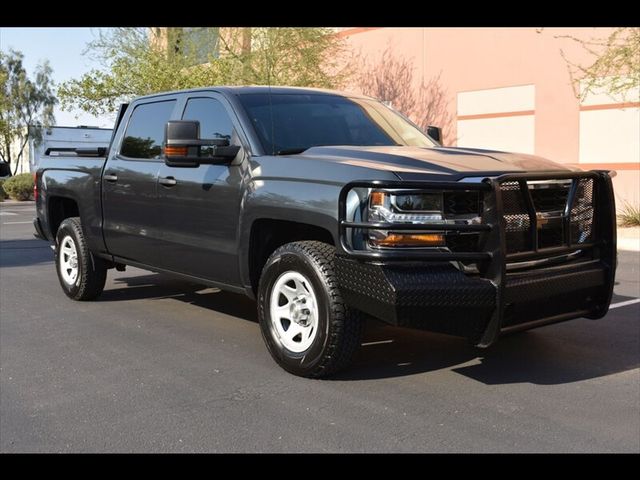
624, 304
8, 213
376, 343
14, 223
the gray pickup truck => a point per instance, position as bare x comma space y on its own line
329, 209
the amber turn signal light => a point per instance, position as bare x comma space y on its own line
377, 199
171, 151
411, 240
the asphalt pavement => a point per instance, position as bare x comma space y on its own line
159, 365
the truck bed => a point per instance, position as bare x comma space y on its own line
71, 177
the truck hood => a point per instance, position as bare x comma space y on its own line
410, 163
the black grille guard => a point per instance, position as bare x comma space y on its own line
494, 257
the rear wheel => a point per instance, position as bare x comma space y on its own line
306, 326
82, 275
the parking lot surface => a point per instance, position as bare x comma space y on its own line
159, 365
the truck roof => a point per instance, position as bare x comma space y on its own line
264, 89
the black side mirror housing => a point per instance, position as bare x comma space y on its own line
435, 133
183, 146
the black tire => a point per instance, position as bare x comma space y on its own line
92, 271
339, 328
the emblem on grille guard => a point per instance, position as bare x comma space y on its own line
542, 219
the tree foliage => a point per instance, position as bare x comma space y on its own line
26, 105
390, 78
616, 65
141, 61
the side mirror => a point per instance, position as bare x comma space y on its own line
435, 133
183, 146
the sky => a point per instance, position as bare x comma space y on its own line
63, 48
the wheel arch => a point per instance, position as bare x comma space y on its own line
266, 234
60, 208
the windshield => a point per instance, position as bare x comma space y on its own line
301, 121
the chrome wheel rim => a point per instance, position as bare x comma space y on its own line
294, 311
68, 260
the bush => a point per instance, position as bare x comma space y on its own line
3, 195
629, 216
19, 187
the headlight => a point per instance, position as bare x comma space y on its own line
410, 208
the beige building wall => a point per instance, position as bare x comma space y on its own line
497, 118
23, 164
510, 88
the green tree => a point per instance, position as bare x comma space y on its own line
616, 64
26, 105
141, 61
140, 147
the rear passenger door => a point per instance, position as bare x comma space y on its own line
129, 184
200, 207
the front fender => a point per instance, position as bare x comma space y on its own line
313, 203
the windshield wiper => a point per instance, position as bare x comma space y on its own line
291, 151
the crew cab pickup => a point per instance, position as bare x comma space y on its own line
329, 209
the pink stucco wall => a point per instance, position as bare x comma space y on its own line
471, 59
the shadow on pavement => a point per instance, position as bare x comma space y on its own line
156, 285
562, 353
23, 253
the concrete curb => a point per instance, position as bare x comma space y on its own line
629, 238
15, 203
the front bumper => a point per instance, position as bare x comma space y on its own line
424, 289
440, 298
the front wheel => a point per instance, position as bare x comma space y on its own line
82, 276
306, 326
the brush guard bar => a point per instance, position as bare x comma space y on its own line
377, 280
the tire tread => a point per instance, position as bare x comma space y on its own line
346, 326
93, 273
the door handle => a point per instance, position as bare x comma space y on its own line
110, 177
167, 181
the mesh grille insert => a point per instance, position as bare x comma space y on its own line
516, 218
549, 202
582, 212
